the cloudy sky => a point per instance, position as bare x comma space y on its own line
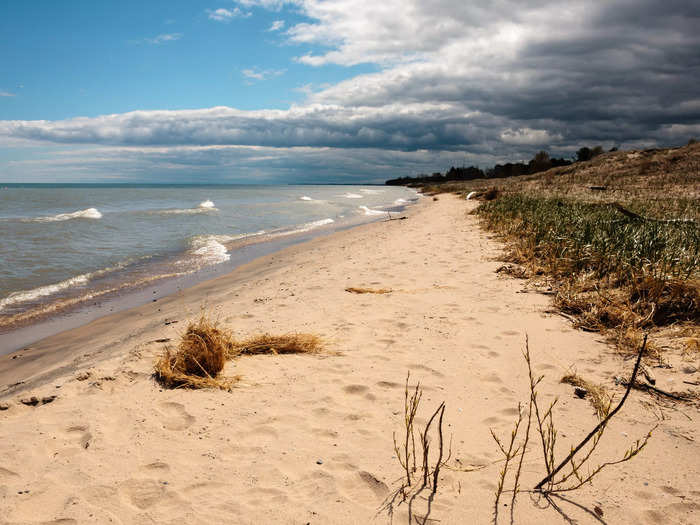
334, 90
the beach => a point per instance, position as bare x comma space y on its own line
309, 438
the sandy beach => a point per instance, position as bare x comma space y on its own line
308, 438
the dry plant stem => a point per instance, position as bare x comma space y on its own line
509, 455
425, 442
438, 463
409, 445
602, 424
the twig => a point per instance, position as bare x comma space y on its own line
627, 213
602, 423
649, 388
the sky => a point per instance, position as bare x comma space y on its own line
287, 91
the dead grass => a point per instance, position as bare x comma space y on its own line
597, 394
205, 347
277, 344
199, 358
354, 289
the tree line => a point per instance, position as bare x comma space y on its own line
540, 162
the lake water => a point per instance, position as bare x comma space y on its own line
62, 246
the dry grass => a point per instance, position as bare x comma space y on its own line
205, 347
597, 394
277, 344
199, 358
353, 289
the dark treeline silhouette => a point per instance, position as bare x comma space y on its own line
540, 162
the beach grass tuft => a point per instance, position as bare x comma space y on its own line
199, 358
206, 346
277, 344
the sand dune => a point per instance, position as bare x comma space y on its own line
308, 439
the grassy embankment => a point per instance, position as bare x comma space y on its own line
616, 240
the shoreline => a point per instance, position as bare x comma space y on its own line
308, 438
43, 325
41, 343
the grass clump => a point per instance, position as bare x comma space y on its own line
205, 347
597, 395
198, 359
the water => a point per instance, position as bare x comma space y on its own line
64, 245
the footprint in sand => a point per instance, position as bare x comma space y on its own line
389, 384
80, 435
175, 417
355, 389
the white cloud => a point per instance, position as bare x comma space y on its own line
276, 25
529, 137
262, 74
226, 15
6, 94
161, 39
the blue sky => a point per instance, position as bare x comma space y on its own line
276, 91
89, 58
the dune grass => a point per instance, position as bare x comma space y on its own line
613, 273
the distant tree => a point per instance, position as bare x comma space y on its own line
583, 154
598, 150
692, 141
540, 162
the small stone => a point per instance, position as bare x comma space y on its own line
319, 462
47, 399
30, 401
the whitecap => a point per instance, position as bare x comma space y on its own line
24, 296
209, 249
305, 198
369, 211
206, 204
371, 192
89, 213
352, 196
399, 202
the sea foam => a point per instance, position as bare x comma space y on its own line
351, 196
369, 211
43, 291
89, 213
209, 249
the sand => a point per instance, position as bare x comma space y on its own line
308, 439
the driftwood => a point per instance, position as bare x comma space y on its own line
598, 188
627, 213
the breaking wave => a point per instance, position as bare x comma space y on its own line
89, 213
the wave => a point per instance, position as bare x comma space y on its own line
89, 213
371, 192
24, 296
208, 249
305, 198
351, 196
369, 211
303, 228
206, 206
399, 202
